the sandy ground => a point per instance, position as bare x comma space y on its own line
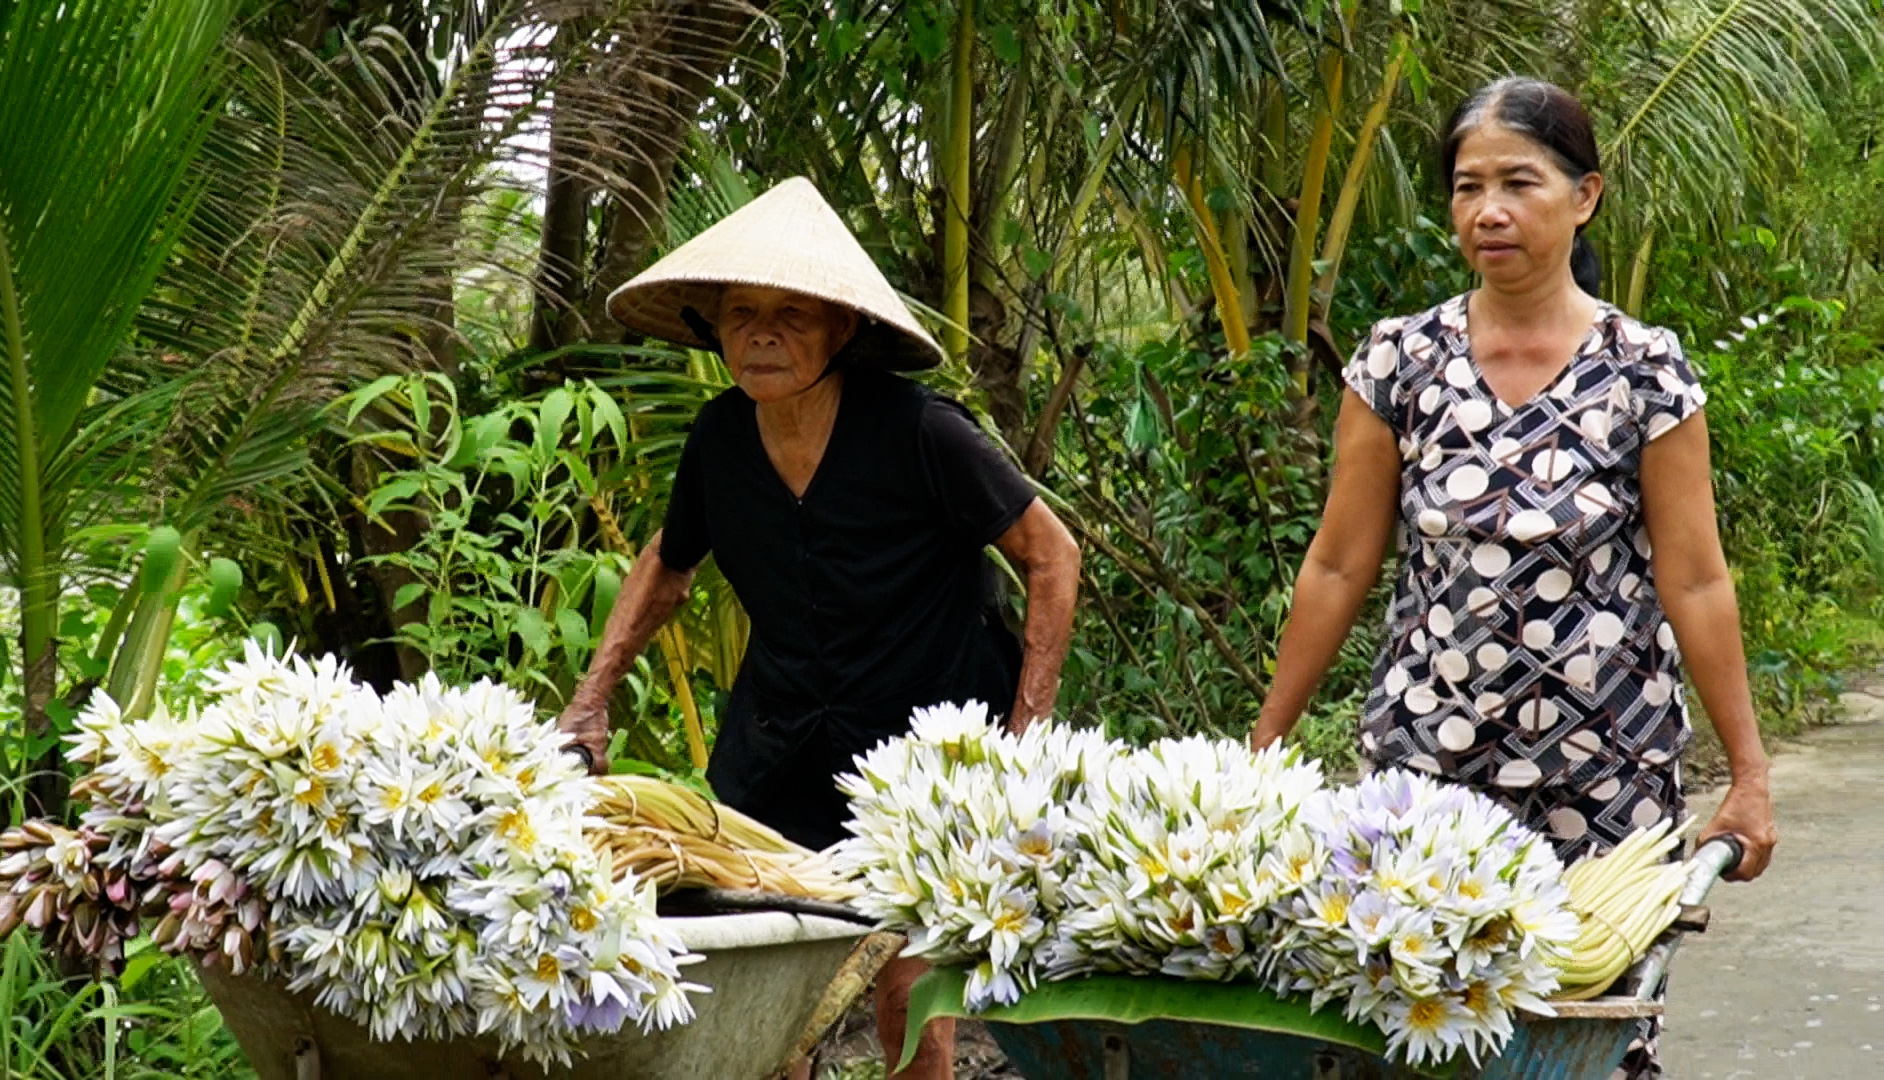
1788, 984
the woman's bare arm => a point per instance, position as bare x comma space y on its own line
1342, 564
1048, 559
1697, 593
648, 598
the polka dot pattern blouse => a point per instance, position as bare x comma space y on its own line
1526, 647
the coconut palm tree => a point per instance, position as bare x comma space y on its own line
1710, 101
104, 106
260, 227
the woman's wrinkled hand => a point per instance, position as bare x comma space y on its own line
1747, 814
587, 725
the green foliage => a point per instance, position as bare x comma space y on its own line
1198, 507
1794, 406
503, 588
154, 1021
514, 577
368, 224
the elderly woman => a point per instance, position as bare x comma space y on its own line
849, 508
1546, 460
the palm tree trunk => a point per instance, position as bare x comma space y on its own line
635, 220
1308, 207
38, 578
1222, 282
1000, 371
557, 308
1349, 199
957, 153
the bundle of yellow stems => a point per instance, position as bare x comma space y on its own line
679, 839
1625, 899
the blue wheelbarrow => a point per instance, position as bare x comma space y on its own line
1117, 1028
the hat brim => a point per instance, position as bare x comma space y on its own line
654, 308
788, 238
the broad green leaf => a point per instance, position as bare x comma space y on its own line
138, 965
394, 490
1005, 44
580, 474
573, 628
610, 413
607, 588
928, 36
361, 399
585, 425
407, 594
421, 409
487, 431
1124, 999
534, 630
549, 428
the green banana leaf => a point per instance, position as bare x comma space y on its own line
1125, 999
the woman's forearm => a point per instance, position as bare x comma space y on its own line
1048, 560
1052, 589
648, 598
1326, 602
1342, 564
1706, 620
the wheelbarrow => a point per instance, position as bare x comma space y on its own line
1251, 1033
767, 971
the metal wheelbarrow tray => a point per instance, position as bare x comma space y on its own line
766, 971
1584, 1041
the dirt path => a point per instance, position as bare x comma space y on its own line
1789, 982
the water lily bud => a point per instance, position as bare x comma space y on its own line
12, 911
41, 907
167, 930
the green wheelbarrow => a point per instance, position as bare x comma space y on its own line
1125, 1028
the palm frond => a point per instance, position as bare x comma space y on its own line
333, 230
1715, 92
103, 104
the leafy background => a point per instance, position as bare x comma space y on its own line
311, 346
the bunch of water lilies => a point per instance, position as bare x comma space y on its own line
963, 837
414, 860
1422, 908
1435, 916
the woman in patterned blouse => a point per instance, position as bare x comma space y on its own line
1545, 459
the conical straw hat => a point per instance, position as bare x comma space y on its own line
787, 238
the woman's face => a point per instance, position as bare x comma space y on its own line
777, 343
1515, 211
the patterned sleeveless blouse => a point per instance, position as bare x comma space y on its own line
1526, 649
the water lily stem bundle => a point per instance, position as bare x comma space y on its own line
677, 839
1624, 900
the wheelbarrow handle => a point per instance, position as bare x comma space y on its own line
1712, 861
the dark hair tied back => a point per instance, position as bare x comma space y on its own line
1553, 118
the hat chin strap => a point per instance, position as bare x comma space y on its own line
701, 328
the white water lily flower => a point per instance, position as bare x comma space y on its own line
1056, 852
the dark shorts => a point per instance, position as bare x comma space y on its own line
783, 770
